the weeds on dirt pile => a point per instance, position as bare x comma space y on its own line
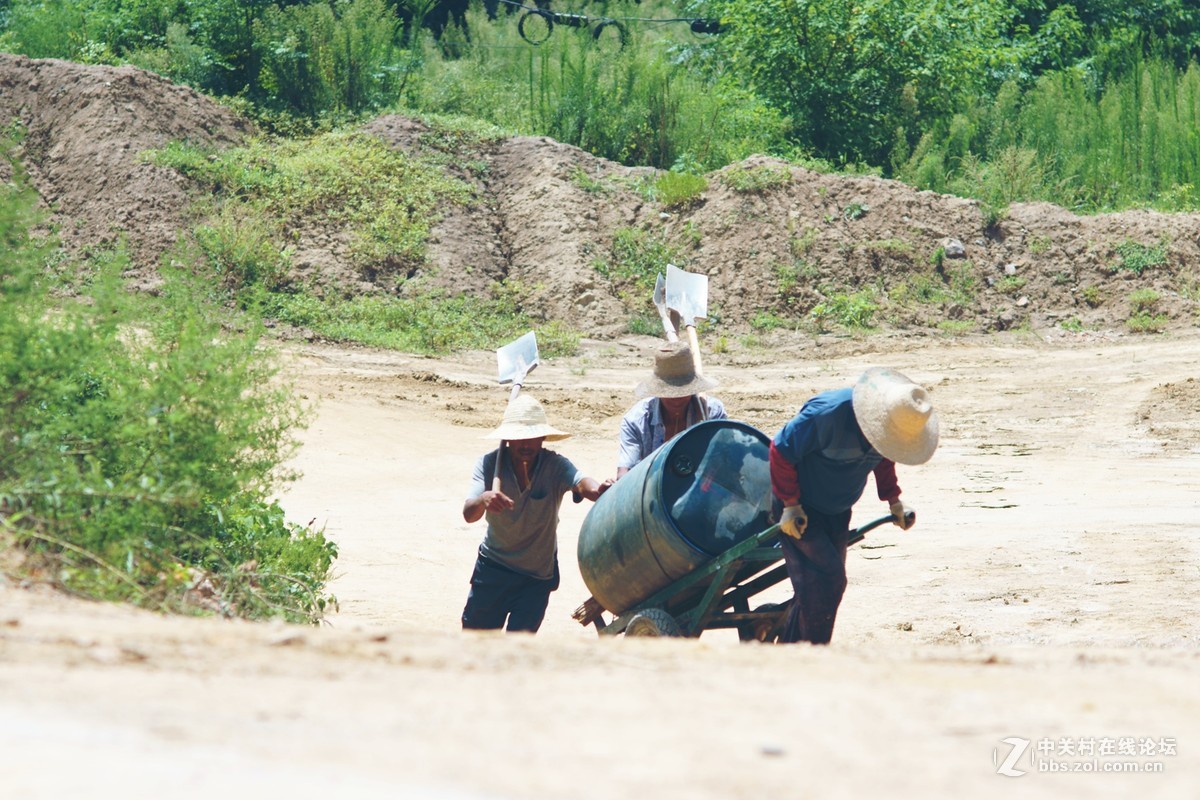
429, 324
139, 443
633, 264
385, 199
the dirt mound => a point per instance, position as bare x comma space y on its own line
539, 220
780, 238
86, 128
774, 238
1171, 414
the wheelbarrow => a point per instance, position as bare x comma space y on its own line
715, 595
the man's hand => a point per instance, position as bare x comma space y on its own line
590, 488
496, 501
905, 517
793, 521
492, 500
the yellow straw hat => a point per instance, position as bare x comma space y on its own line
524, 418
896, 416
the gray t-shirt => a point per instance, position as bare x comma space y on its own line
525, 539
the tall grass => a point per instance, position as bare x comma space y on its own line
1138, 142
635, 105
1134, 142
330, 59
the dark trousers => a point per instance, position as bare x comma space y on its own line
817, 566
499, 594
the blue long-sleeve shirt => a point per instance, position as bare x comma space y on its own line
820, 457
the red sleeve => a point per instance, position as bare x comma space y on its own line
785, 483
885, 480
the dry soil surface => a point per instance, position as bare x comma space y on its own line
1047, 595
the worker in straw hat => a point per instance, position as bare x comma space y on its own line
669, 403
820, 461
517, 566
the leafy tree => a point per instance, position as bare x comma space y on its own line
853, 72
1093, 30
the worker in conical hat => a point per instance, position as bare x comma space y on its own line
517, 566
820, 461
669, 402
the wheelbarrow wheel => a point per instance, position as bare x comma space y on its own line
653, 622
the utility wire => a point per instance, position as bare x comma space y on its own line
698, 24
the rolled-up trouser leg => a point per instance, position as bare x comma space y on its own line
816, 565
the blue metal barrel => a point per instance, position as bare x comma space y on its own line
693, 498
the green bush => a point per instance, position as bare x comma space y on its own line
1144, 300
852, 311
1146, 323
955, 327
48, 30
1010, 284
177, 57
240, 241
645, 325
139, 445
636, 259
955, 285
851, 74
385, 199
1092, 295
679, 189
1136, 257
765, 321
789, 276
759, 178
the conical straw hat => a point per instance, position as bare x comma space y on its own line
896, 416
525, 419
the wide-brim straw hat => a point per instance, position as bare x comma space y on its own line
674, 374
524, 418
896, 416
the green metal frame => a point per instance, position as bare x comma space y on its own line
740, 567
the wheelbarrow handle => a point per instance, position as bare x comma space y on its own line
858, 533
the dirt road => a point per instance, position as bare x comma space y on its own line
1047, 596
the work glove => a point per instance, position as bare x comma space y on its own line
793, 521
905, 517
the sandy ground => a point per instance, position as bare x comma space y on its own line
1047, 596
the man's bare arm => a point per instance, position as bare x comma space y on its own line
490, 500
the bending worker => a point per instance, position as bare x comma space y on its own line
517, 566
820, 461
670, 403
